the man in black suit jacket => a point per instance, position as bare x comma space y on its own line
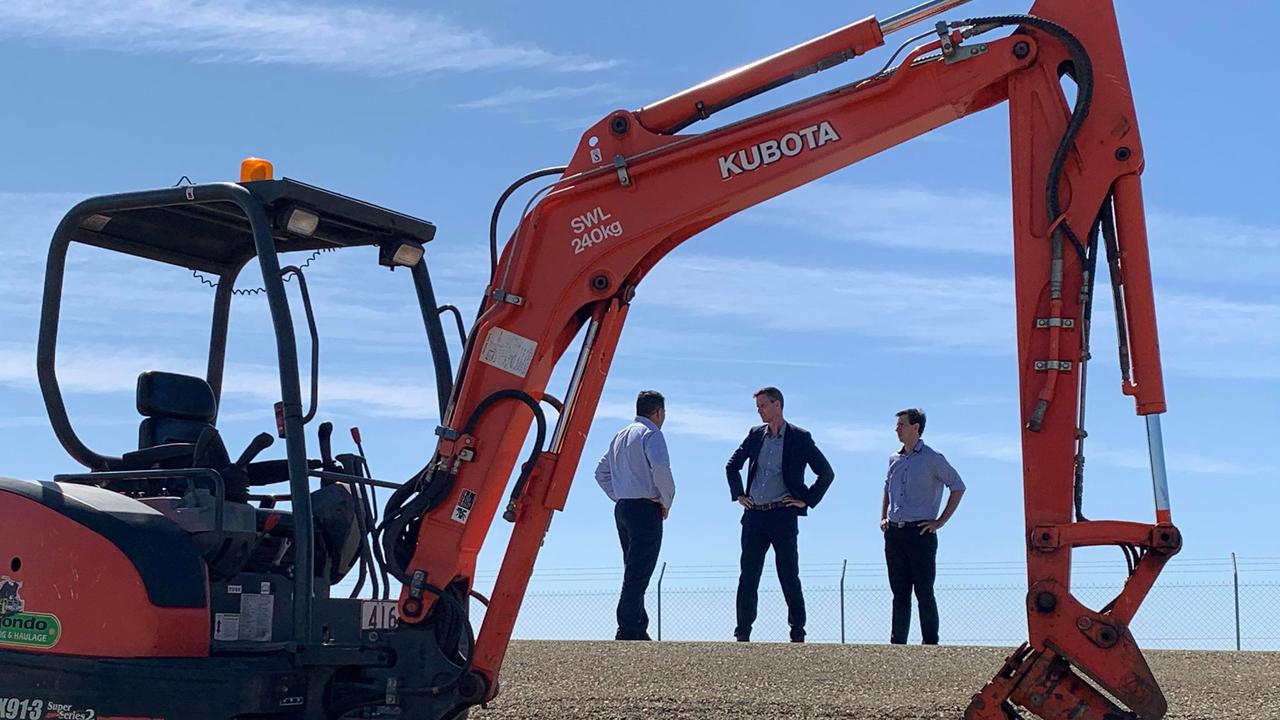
775, 495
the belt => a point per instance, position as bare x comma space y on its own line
769, 505
909, 523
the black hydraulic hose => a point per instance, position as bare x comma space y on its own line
1082, 72
467, 343
527, 468
457, 316
461, 613
1083, 75
402, 512
364, 518
371, 505
497, 210
553, 401
1117, 290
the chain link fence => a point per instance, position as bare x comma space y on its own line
1196, 605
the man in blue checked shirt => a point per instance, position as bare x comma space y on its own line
910, 521
636, 474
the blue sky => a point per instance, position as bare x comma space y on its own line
886, 285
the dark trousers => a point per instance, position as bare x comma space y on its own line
761, 529
640, 531
912, 560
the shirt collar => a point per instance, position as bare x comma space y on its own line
782, 431
915, 449
647, 422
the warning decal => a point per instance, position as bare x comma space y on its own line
508, 351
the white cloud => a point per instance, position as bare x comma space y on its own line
1214, 337
524, 96
354, 37
88, 370
688, 419
1184, 246
966, 221
1208, 250
922, 311
711, 422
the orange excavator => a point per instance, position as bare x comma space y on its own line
166, 583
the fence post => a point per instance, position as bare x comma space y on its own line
1235, 581
660, 574
843, 565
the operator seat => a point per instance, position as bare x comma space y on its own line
175, 408
177, 430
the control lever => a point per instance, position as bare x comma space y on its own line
326, 445
260, 442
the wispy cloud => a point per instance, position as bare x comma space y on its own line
921, 311
1206, 250
1215, 337
719, 424
524, 96
965, 221
1202, 335
88, 370
354, 37
1184, 246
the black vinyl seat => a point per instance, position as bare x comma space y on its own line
175, 408
177, 430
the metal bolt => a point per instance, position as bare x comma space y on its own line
1046, 602
1084, 623
619, 124
600, 283
1021, 50
1123, 154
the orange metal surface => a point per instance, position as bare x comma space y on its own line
91, 587
631, 194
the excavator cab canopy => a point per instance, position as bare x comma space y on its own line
217, 230
217, 236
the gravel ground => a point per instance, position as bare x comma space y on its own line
625, 681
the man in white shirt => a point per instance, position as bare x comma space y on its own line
636, 474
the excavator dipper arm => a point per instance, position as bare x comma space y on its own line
635, 189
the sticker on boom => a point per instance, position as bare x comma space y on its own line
508, 351
771, 151
462, 511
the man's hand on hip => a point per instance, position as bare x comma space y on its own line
932, 527
794, 502
665, 512
745, 502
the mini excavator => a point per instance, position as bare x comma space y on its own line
168, 582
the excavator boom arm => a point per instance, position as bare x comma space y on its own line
634, 190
